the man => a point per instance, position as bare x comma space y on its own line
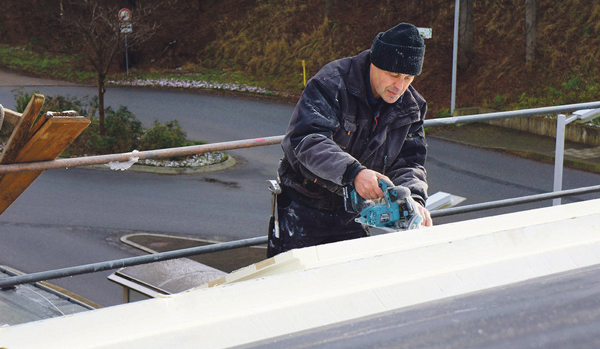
1, 116
357, 120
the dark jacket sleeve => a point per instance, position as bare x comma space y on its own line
308, 144
408, 168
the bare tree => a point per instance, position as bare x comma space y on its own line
95, 30
465, 32
530, 30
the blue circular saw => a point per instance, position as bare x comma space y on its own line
397, 210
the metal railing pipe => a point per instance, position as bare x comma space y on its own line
157, 257
128, 262
257, 142
567, 108
141, 155
513, 201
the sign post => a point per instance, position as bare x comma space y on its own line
126, 28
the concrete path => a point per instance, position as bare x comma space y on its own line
11, 79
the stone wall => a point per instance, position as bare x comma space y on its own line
575, 132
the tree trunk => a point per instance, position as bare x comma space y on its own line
465, 35
530, 30
101, 91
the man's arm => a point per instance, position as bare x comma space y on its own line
308, 143
409, 169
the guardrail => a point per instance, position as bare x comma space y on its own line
257, 142
199, 149
224, 246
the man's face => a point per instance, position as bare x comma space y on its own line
387, 85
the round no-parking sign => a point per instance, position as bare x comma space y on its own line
124, 15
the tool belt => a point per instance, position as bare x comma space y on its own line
306, 192
320, 204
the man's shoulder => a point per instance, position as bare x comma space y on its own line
342, 66
341, 70
335, 69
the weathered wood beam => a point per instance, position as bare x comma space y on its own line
35, 138
11, 116
47, 144
21, 133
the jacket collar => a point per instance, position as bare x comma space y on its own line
357, 75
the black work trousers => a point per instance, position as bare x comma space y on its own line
303, 226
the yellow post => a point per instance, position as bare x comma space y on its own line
304, 71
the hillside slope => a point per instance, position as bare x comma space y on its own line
267, 40
565, 70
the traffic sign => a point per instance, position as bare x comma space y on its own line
126, 28
124, 15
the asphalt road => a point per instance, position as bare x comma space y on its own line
76, 216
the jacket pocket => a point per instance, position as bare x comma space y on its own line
345, 134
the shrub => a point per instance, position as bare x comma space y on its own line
89, 142
169, 135
123, 130
84, 107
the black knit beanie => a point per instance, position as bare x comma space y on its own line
399, 50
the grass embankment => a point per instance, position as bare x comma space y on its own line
566, 68
61, 67
263, 44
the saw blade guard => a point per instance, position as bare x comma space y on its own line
397, 210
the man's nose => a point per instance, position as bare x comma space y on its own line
400, 84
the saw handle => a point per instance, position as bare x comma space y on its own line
396, 192
385, 183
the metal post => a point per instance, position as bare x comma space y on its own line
126, 58
304, 71
454, 57
559, 155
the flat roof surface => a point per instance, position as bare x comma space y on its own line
556, 311
510, 280
32, 302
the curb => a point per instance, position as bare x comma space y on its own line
230, 162
125, 239
569, 162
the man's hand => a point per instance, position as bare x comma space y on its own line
427, 221
367, 185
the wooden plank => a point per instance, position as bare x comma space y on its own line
20, 135
52, 139
37, 125
42, 119
47, 144
12, 117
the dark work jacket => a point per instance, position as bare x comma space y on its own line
330, 138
